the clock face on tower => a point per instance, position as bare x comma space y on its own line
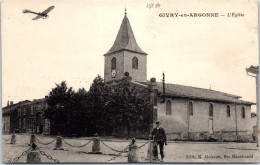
113, 73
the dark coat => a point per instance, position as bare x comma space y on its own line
159, 135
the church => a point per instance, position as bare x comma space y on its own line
186, 113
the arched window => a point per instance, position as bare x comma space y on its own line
135, 63
190, 108
168, 107
243, 113
211, 110
228, 111
113, 63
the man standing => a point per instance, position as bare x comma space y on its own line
160, 139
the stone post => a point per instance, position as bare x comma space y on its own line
96, 145
133, 152
34, 155
58, 143
33, 139
150, 156
13, 139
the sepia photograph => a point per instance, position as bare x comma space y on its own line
120, 81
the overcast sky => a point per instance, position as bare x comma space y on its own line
70, 44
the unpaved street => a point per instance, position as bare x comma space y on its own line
174, 151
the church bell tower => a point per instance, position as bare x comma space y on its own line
125, 56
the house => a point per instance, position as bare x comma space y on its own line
25, 117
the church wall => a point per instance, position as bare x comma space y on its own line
243, 124
229, 123
176, 124
180, 125
198, 122
137, 74
119, 66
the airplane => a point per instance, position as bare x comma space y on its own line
42, 15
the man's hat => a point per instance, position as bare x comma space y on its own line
158, 122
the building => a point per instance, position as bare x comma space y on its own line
10, 116
25, 117
125, 55
185, 112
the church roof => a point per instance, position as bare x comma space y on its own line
174, 90
125, 39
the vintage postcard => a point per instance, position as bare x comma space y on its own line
118, 81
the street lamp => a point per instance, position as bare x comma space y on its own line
253, 71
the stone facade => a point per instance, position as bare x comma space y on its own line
180, 125
25, 117
6, 124
124, 49
124, 64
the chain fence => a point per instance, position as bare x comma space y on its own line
77, 146
38, 140
48, 156
143, 144
57, 161
7, 139
122, 151
23, 154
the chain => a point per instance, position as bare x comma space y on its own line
121, 152
124, 150
77, 146
24, 153
49, 157
114, 157
7, 139
143, 144
44, 143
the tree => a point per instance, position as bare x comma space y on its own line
120, 107
132, 106
79, 108
96, 100
59, 101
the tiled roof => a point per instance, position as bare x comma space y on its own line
125, 39
11, 108
198, 93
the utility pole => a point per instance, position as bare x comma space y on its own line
153, 102
255, 71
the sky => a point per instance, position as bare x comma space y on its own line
69, 45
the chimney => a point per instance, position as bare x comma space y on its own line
8, 103
11, 102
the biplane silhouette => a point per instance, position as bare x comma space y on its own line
42, 15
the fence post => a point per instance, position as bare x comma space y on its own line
33, 139
150, 150
133, 152
58, 143
34, 156
96, 145
13, 139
